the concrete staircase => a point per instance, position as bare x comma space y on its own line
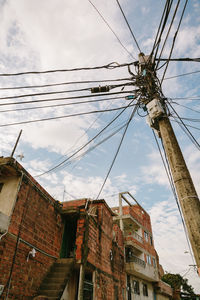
54, 283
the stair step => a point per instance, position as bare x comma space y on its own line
65, 260
57, 275
60, 269
52, 286
51, 293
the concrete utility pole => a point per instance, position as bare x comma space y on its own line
159, 121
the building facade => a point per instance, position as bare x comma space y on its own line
74, 250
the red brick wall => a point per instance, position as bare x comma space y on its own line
105, 253
100, 243
38, 223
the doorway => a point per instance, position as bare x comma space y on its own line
69, 237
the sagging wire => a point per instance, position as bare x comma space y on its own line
118, 149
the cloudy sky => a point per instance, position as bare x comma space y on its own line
50, 35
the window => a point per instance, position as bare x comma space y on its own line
146, 236
151, 240
149, 259
136, 287
154, 262
145, 289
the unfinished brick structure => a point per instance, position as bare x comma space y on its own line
29, 219
74, 250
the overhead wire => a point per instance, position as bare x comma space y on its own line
180, 75
189, 108
174, 39
61, 92
159, 28
110, 66
186, 130
64, 83
108, 25
65, 98
118, 149
131, 31
167, 35
62, 117
59, 105
86, 144
85, 132
164, 19
174, 120
92, 148
179, 59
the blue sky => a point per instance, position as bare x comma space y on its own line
45, 35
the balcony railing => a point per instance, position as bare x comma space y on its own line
134, 235
135, 259
138, 237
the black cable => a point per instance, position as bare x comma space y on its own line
60, 92
159, 27
189, 108
180, 75
167, 12
86, 144
174, 39
129, 26
187, 98
65, 98
192, 138
186, 124
80, 137
117, 152
188, 119
59, 105
111, 29
91, 148
167, 35
189, 135
63, 117
110, 66
64, 83
180, 59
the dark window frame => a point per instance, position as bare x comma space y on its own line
145, 289
136, 287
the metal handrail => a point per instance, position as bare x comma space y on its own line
136, 236
137, 260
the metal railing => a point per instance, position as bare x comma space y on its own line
135, 259
135, 236
138, 237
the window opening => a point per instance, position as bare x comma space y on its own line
136, 287
146, 236
149, 259
145, 289
88, 287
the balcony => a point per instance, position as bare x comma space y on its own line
133, 236
136, 266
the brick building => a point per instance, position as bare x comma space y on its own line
65, 251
